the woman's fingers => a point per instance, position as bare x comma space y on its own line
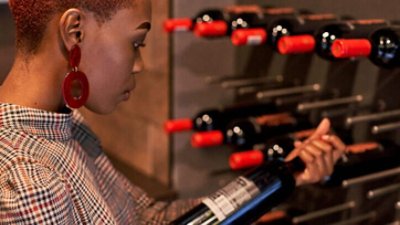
320, 157
335, 141
324, 146
322, 129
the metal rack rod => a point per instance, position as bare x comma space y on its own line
288, 91
370, 177
323, 212
235, 83
382, 191
329, 103
372, 117
385, 127
357, 219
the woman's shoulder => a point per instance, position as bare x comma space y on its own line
86, 137
15, 146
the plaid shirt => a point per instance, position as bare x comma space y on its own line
53, 171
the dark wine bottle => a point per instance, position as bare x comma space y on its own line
188, 24
217, 119
209, 15
254, 158
287, 26
381, 46
244, 36
304, 24
257, 206
264, 187
238, 18
322, 39
244, 133
365, 158
274, 148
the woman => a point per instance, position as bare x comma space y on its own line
74, 53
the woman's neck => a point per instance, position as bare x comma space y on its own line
34, 82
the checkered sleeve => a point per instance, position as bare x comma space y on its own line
158, 212
32, 194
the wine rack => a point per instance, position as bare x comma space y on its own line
199, 63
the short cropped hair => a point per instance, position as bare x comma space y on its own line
32, 16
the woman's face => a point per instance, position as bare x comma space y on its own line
111, 55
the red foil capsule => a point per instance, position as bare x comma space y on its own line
347, 48
296, 44
207, 139
172, 126
246, 159
249, 37
211, 29
183, 24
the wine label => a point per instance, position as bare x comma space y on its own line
231, 197
254, 40
279, 11
363, 147
315, 17
276, 119
368, 21
238, 9
182, 28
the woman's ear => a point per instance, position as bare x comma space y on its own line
71, 27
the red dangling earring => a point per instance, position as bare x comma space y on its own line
75, 87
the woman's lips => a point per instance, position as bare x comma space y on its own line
126, 95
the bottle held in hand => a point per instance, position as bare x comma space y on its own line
263, 187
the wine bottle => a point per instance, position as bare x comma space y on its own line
246, 132
286, 26
257, 206
381, 47
274, 148
265, 186
364, 159
207, 16
188, 24
237, 19
245, 36
217, 119
322, 39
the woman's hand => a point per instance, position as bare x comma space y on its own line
319, 152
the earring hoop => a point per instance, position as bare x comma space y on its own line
75, 86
